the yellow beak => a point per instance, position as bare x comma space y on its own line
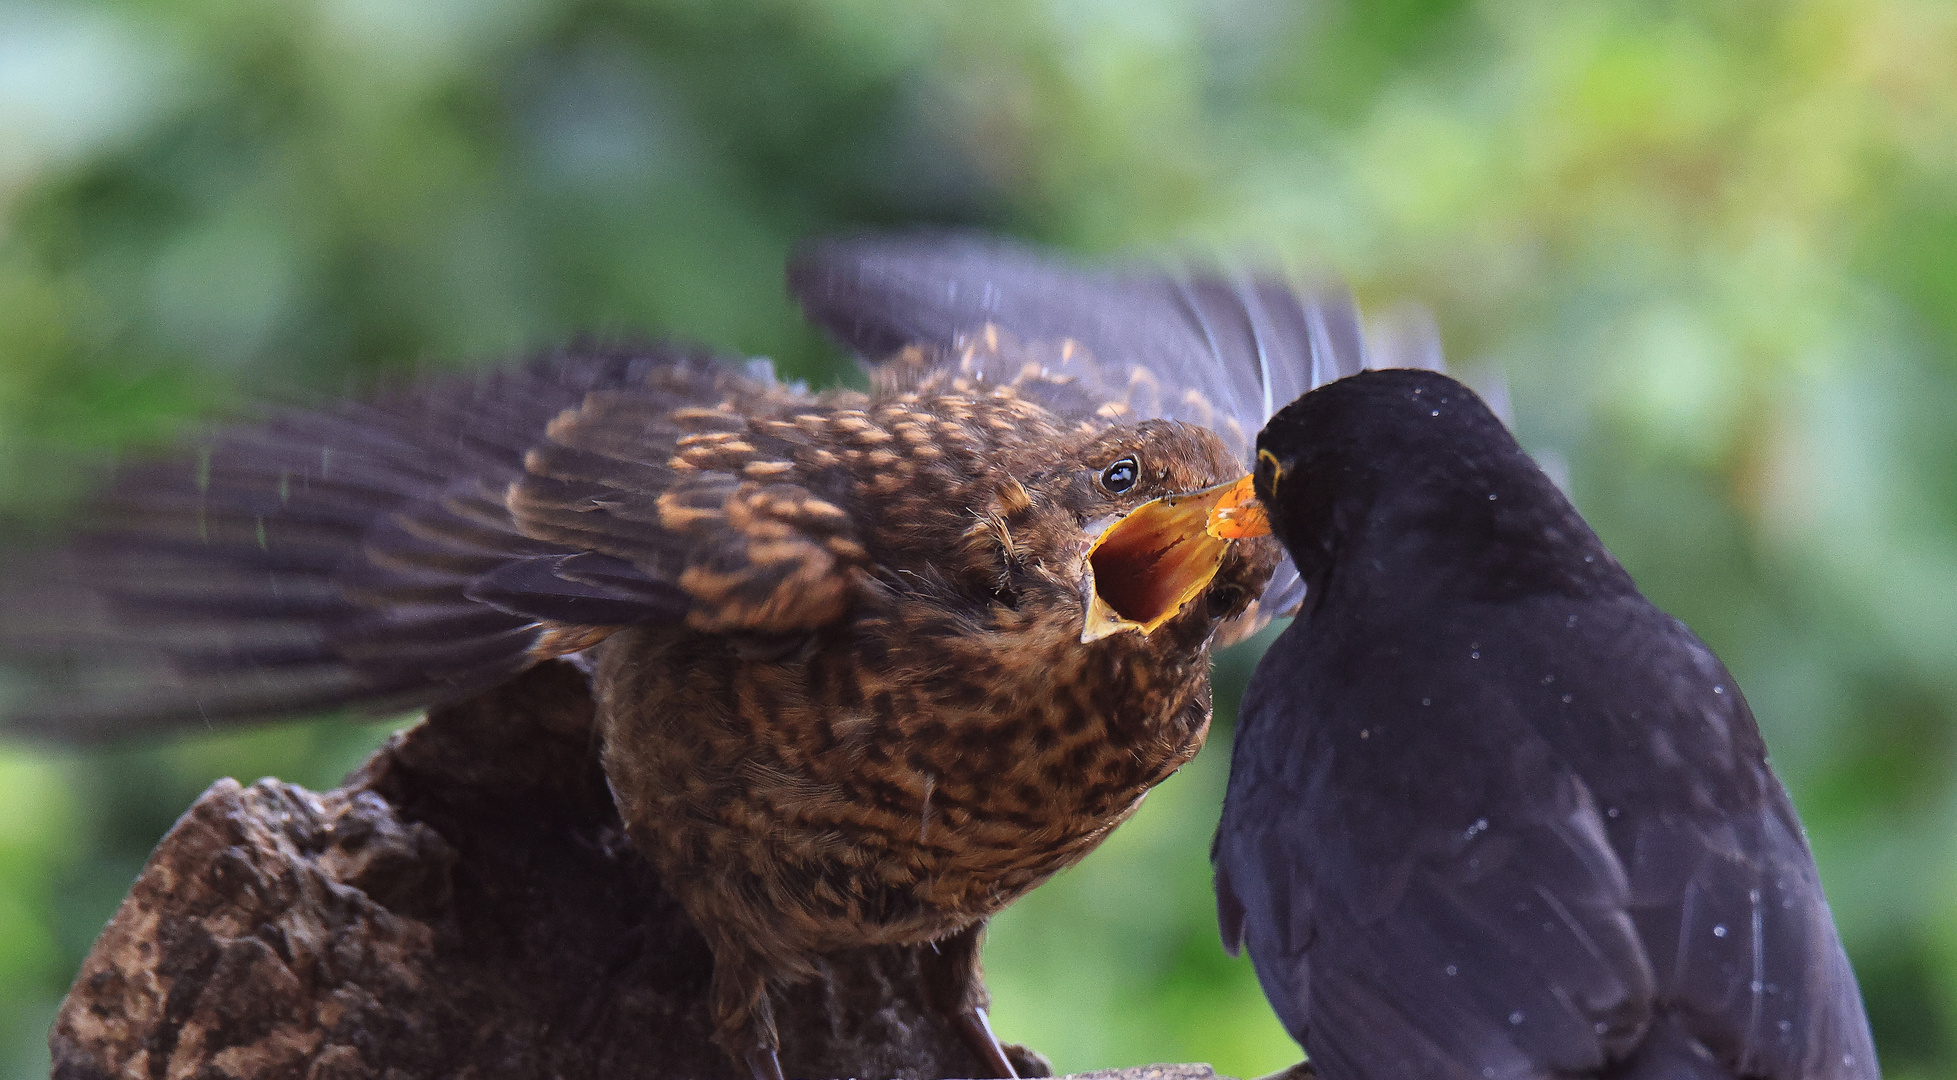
1163, 554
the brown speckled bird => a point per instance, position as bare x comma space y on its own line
869, 665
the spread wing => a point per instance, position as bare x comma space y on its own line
1474, 904
437, 540
1124, 344
407, 550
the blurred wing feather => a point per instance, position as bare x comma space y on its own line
359, 555
1095, 346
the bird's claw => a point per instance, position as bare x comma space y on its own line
764, 1064
977, 1029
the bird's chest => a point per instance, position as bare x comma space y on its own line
975, 761
914, 785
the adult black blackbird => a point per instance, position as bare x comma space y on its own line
1491, 813
869, 665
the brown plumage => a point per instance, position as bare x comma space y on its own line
906, 771
836, 640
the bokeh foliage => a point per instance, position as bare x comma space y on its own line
1710, 245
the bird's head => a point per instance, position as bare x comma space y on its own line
1117, 518
1410, 474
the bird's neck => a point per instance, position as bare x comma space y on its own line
1487, 537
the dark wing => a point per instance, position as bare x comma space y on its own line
1724, 889
1433, 883
1221, 352
1408, 920
359, 555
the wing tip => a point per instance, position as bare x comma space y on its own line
1404, 335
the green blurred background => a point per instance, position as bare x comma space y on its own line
1710, 245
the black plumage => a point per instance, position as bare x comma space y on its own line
1491, 813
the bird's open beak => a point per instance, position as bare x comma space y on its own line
1146, 566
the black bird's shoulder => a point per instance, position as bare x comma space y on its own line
1479, 843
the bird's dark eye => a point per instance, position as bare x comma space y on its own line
1121, 475
1224, 599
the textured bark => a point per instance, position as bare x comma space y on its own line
465, 905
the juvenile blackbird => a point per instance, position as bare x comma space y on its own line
869, 665
1491, 813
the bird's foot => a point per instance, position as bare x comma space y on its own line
743, 1015
976, 1027
764, 1064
